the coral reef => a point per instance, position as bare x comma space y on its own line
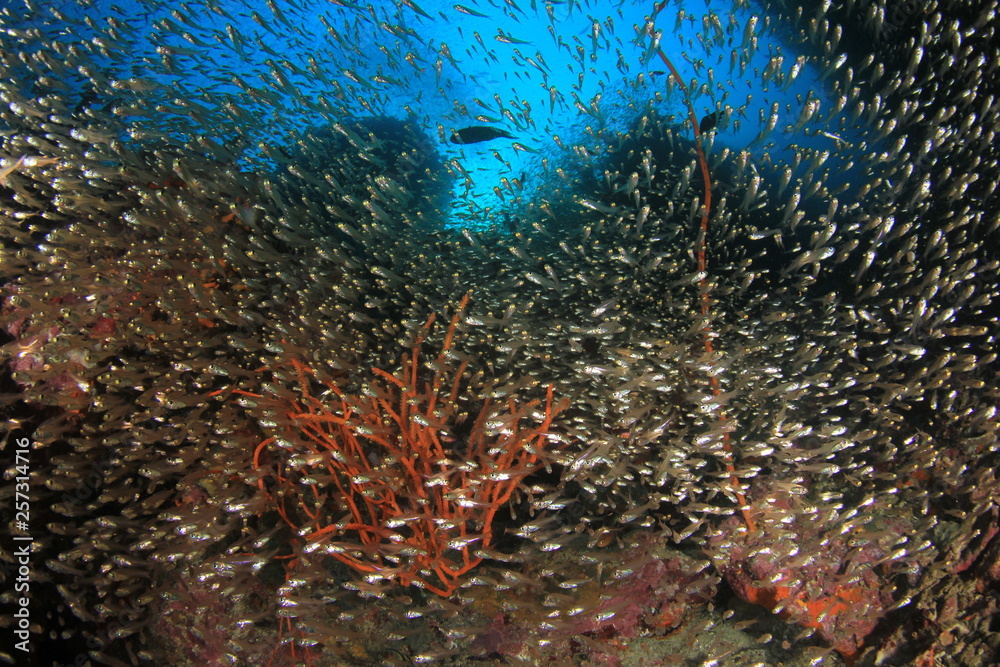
705, 404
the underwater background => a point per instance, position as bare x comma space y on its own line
503, 332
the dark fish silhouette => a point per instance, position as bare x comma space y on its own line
708, 122
476, 133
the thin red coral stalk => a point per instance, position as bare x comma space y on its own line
702, 257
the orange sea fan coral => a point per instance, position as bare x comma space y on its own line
391, 482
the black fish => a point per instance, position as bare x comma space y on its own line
477, 133
708, 122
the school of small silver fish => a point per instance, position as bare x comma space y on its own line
192, 194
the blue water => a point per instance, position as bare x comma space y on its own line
541, 71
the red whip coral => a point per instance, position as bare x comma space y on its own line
391, 482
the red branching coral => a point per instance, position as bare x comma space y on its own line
390, 482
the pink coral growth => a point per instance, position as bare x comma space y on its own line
819, 572
652, 589
200, 623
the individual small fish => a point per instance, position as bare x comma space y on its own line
470, 12
708, 122
475, 134
501, 36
